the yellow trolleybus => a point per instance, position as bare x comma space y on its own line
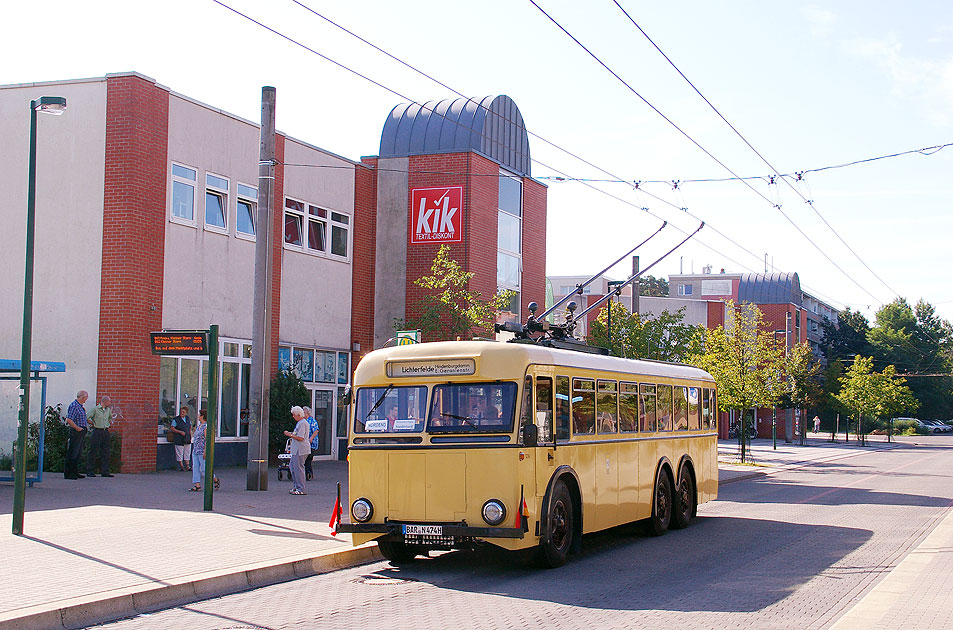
519, 445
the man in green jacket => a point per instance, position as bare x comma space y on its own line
100, 418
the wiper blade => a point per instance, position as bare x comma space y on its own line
456, 417
380, 401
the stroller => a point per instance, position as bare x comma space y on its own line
284, 461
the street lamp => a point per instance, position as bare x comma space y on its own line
55, 105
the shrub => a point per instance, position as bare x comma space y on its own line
287, 390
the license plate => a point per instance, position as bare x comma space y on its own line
423, 530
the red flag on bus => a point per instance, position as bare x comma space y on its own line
336, 515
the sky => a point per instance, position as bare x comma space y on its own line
807, 85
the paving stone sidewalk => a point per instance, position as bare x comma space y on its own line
98, 548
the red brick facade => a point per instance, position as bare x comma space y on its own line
134, 219
364, 257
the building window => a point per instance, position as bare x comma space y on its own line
317, 229
216, 201
247, 210
684, 289
183, 194
294, 219
509, 257
339, 231
315, 366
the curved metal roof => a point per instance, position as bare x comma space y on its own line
773, 288
492, 126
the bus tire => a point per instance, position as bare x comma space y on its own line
554, 547
684, 506
661, 505
397, 552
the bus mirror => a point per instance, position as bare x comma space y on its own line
346, 395
530, 435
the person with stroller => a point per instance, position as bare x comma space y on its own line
300, 449
198, 454
314, 427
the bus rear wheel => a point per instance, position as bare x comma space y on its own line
398, 552
560, 529
661, 505
684, 500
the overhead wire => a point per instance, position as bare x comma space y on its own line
756, 152
430, 109
703, 149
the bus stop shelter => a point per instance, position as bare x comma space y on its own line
9, 413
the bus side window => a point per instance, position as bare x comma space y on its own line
664, 395
544, 408
562, 408
583, 406
647, 412
607, 406
714, 409
628, 407
680, 400
693, 421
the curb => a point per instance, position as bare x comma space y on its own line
134, 601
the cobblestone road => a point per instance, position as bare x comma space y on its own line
794, 549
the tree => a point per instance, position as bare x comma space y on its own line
745, 362
450, 309
650, 286
877, 394
801, 387
847, 338
663, 338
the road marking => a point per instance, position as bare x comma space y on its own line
903, 583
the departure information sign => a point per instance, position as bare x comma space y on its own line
180, 342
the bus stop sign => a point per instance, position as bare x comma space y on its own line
407, 337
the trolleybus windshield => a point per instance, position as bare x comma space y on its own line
472, 407
390, 409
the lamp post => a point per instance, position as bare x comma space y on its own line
55, 105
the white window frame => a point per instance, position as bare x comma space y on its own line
240, 198
193, 183
685, 289
303, 223
306, 218
310, 218
331, 224
222, 194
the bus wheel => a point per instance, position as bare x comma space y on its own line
684, 500
661, 505
554, 549
397, 552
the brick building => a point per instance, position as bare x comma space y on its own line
147, 206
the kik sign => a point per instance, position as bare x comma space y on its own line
436, 215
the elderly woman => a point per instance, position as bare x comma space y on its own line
198, 454
300, 449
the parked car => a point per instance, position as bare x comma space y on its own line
932, 426
940, 426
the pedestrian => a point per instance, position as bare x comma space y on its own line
76, 419
198, 454
817, 424
181, 429
300, 448
100, 419
313, 429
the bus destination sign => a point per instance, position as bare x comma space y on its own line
187, 342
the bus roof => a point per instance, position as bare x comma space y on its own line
374, 365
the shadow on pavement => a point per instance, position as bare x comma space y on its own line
722, 558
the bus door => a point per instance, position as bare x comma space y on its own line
543, 417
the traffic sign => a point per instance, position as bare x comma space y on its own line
407, 337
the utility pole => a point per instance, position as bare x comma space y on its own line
260, 386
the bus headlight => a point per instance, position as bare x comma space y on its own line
362, 510
494, 512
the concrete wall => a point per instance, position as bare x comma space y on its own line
390, 273
696, 311
209, 275
315, 290
69, 219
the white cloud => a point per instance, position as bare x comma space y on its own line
928, 82
821, 20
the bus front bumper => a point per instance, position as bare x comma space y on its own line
448, 530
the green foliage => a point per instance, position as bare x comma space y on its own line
663, 338
449, 309
651, 286
846, 339
801, 385
287, 390
744, 359
879, 394
55, 439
